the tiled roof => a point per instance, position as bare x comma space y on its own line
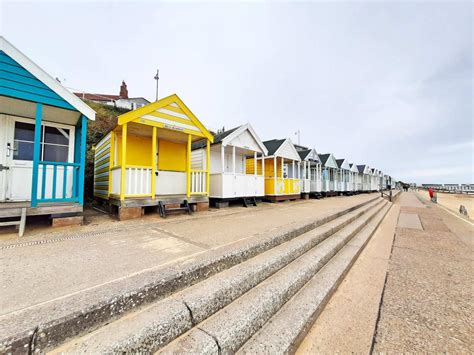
361, 168
218, 138
97, 97
303, 153
273, 145
324, 158
339, 162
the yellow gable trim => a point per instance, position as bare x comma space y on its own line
170, 127
164, 103
172, 118
174, 109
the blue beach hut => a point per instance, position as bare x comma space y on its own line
42, 141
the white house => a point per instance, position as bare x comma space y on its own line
236, 172
120, 101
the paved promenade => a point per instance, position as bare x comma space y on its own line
428, 303
411, 289
40, 268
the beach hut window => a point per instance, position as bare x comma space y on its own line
54, 143
24, 141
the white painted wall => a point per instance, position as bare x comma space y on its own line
245, 141
170, 183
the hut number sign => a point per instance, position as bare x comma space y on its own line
173, 127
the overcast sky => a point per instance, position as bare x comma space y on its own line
384, 84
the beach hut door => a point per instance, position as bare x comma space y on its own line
3, 159
16, 159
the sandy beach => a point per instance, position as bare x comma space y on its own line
453, 201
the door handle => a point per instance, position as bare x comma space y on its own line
2, 167
10, 149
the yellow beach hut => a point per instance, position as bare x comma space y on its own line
281, 169
146, 161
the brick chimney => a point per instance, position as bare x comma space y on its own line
123, 90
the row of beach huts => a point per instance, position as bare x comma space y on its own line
451, 188
159, 155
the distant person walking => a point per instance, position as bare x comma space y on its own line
432, 195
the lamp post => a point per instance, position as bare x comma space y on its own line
157, 78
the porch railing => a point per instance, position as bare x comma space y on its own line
137, 180
198, 182
57, 182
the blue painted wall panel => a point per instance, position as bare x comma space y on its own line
17, 82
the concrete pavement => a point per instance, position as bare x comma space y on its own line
415, 297
46, 267
428, 301
347, 323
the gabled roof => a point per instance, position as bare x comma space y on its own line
328, 160
273, 145
307, 153
46, 79
168, 113
363, 169
282, 148
354, 168
303, 153
228, 136
343, 164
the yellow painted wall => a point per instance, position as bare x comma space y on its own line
138, 150
250, 167
171, 156
269, 168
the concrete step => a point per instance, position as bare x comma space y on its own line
276, 337
46, 325
153, 327
229, 329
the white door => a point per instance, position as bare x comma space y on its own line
18, 156
3, 158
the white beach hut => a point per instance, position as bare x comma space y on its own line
363, 181
234, 172
310, 172
342, 176
353, 178
328, 175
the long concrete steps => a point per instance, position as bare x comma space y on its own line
47, 325
222, 312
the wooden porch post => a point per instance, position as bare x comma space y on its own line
36, 155
255, 163
153, 162
123, 163
263, 166
82, 168
188, 167
305, 172
208, 165
274, 173
233, 159
223, 158
282, 162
